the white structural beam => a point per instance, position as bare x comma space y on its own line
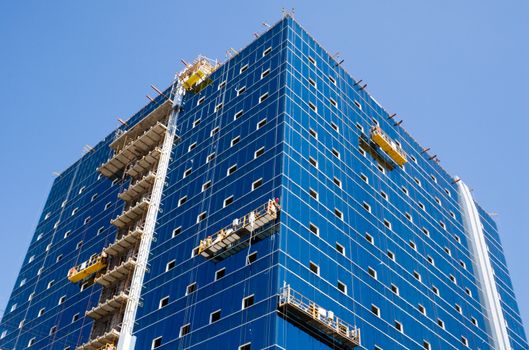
483, 266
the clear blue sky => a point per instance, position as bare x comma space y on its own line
456, 71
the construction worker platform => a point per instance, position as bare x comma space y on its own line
116, 274
138, 187
237, 236
87, 268
125, 242
196, 74
145, 163
134, 150
159, 114
390, 147
293, 305
132, 214
109, 306
102, 342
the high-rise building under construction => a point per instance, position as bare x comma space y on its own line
268, 202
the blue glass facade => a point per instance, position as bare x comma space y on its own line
383, 246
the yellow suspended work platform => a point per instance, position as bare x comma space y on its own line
390, 147
94, 264
196, 73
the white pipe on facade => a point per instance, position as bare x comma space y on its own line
483, 266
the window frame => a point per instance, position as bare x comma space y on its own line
170, 265
229, 199
154, 342
259, 152
314, 268
244, 68
257, 183
165, 301
211, 315
265, 73
191, 288
220, 271
343, 285
263, 97
184, 330
315, 230
250, 298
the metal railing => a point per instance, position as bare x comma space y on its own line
325, 318
93, 260
138, 180
377, 130
251, 219
130, 141
137, 226
102, 330
142, 177
139, 158
144, 198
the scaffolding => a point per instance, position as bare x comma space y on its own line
132, 213
136, 155
106, 340
389, 146
234, 237
145, 163
295, 305
158, 115
116, 274
134, 149
109, 306
125, 241
139, 187
142, 154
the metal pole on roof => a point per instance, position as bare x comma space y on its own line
161, 93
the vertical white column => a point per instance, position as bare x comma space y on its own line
126, 339
483, 266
